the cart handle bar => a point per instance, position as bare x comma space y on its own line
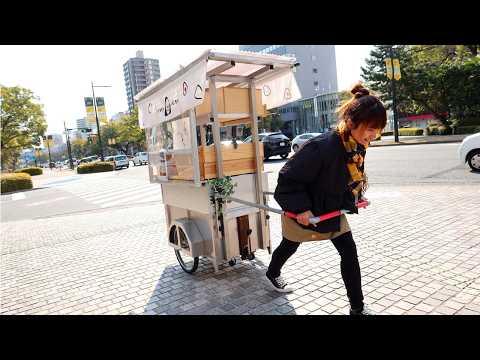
313, 220
330, 215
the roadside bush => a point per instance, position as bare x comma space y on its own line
410, 131
444, 130
93, 167
32, 171
472, 129
13, 182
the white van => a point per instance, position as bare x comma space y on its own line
140, 158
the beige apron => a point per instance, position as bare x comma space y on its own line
292, 230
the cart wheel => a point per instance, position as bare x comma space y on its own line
232, 262
251, 256
189, 265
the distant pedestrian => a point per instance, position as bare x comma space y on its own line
325, 175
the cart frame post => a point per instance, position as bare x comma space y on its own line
216, 127
194, 147
258, 176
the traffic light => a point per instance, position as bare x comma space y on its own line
90, 141
86, 130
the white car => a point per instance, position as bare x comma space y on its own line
140, 158
119, 161
469, 151
299, 140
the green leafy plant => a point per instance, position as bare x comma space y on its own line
222, 187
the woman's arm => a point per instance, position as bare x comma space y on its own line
293, 179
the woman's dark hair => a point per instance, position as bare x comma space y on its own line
362, 109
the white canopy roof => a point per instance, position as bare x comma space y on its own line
166, 99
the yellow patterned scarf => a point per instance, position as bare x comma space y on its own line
358, 179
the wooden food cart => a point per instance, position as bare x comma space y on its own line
184, 116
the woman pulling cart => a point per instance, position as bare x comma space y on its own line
328, 174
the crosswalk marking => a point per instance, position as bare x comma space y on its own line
128, 199
110, 192
18, 196
136, 194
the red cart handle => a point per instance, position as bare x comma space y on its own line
314, 220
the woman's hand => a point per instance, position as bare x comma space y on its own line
304, 217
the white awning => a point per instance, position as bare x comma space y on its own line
167, 99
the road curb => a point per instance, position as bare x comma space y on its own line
418, 143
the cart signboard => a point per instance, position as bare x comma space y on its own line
279, 90
182, 94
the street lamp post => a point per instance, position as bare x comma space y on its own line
69, 149
96, 118
393, 73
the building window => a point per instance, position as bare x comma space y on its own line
315, 70
314, 58
315, 83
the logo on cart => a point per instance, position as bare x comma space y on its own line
287, 95
185, 88
168, 108
198, 92
266, 90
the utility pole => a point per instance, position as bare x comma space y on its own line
69, 149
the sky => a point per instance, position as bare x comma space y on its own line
61, 75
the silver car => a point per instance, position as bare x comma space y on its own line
299, 140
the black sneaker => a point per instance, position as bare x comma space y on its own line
364, 311
279, 284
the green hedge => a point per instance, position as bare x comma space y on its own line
97, 166
410, 131
31, 171
13, 182
472, 129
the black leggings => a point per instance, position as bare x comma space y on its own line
349, 266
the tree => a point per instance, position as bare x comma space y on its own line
430, 81
126, 132
22, 123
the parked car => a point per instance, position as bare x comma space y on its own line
140, 158
119, 161
274, 143
299, 140
469, 151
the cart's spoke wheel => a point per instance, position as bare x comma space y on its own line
189, 264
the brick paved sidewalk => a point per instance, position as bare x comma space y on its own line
419, 250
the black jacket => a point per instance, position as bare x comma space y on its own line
316, 178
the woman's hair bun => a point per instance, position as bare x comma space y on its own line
358, 90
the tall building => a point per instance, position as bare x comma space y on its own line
317, 73
139, 72
82, 123
117, 116
316, 77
